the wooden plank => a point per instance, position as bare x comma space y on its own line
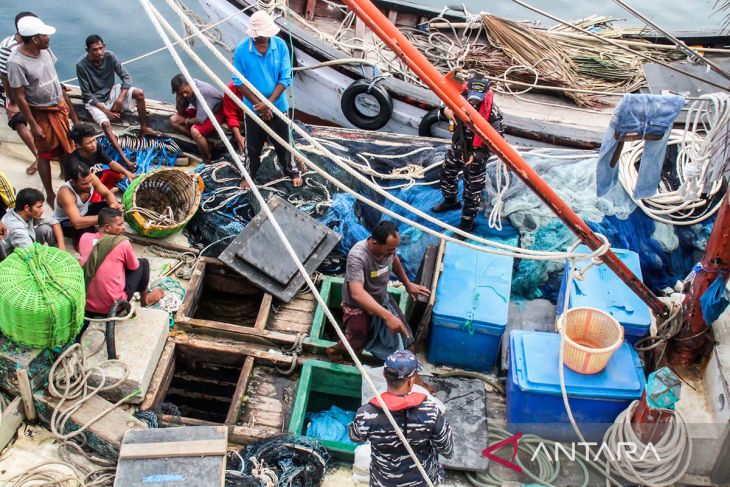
256, 351
12, 418
169, 449
392, 16
295, 316
192, 295
264, 311
424, 326
309, 12
286, 326
26, 394
298, 304
237, 330
237, 400
161, 379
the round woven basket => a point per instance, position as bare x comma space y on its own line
42, 297
162, 202
591, 337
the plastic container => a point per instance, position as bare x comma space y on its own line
331, 292
603, 290
534, 399
591, 337
321, 385
470, 313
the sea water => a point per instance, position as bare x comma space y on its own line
129, 33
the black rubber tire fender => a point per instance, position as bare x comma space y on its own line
431, 118
355, 116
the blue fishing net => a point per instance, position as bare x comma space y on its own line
667, 253
147, 153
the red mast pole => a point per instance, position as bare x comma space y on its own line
449, 91
684, 349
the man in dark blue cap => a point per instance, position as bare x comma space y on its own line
469, 153
422, 422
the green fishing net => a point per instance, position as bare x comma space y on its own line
42, 297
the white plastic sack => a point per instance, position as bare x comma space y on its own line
361, 467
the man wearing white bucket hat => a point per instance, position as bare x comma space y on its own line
264, 60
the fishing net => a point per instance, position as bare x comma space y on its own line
42, 297
667, 253
149, 154
286, 461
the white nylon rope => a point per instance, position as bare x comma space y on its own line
506, 250
156, 17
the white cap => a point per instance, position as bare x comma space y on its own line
261, 24
33, 26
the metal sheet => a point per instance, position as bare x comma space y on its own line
258, 255
265, 244
466, 413
662, 79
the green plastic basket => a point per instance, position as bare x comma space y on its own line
167, 189
42, 297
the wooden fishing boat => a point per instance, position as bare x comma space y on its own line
351, 94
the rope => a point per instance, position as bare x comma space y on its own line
674, 451
186, 260
263, 473
492, 246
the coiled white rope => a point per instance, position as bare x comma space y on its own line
491, 246
663, 466
671, 206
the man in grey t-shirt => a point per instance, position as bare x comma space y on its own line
373, 321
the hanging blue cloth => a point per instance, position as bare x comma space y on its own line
714, 300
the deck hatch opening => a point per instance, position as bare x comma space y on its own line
203, 383
228, 298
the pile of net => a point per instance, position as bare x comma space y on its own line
283, 461
667, 253
148, 153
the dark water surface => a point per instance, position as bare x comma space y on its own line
129, 33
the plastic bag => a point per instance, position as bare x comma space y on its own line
714, 300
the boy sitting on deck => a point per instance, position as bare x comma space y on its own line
111, 270
89, 152
25, 224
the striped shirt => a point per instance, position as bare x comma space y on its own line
7, 46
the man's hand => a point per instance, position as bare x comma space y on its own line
117, 105
449, 114
241, 142
395, 325
264, 112
3, 231
111, 114
470, 160
117, 206
61, 245
414, 290
37, 131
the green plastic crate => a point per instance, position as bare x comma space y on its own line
321, 385
331, 293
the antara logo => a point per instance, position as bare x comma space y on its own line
553, 452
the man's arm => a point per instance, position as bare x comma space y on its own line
126, 84
58, 236
441, 436
3, 231
105, 194
6, 88
67, 201
368, 303
19, 238
35, 129
412, 289
87, 94
359, 429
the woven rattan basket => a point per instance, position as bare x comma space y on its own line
42, 297
591, 337
172, 193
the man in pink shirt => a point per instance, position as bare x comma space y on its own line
111, 270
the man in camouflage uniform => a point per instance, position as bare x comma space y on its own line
469, 153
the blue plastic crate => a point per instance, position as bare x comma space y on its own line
602, 289
535, 402
470, 313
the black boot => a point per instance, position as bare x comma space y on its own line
465, 225
446, 205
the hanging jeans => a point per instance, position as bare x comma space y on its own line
644, 115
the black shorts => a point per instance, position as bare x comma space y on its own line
138, 279
16, 119
75, 233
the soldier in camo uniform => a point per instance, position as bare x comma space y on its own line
469, 153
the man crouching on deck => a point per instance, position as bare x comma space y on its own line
373, 321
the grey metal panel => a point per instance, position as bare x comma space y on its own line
258, 254
660, 78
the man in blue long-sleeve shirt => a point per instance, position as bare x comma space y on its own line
104, 99
263, 59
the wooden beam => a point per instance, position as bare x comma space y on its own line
241, 348
168, 449
12, 418
161, 378
264, 310
309, 12
392, 15
237, 400
26, 394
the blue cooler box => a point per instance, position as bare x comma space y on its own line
535, 402
602, 289
470, 313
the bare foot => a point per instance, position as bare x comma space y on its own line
244, 185
335, 355
153, 296
150, 132
32, 169
297, 181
